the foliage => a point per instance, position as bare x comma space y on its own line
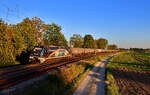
123, 49
137, 49
27, 30
112, 47
102, 43
6, 47
89, 42
17, 40
53, 35
76, 41
40, 29
147, 50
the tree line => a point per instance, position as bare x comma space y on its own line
89, 42
18, 40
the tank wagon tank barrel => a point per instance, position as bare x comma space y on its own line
79, 51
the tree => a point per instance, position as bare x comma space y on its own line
6, 47
28, 32
16, 40
53, 35
89, 42
39, 25
112, 47
148, 50
137, 49
102, 43
122, 49
76, 41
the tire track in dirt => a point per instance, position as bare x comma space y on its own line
132, 82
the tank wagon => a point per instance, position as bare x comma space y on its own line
43, 53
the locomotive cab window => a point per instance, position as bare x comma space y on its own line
61, 53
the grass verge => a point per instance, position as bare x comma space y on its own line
16, 63
112, 88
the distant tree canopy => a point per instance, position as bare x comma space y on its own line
101, 43
137, 49
112, 47
89, 42
76, 41
148, 50
140, 50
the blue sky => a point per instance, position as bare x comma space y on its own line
123, 22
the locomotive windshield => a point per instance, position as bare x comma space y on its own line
47, 52
36, 51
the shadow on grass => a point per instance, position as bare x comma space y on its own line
87, 66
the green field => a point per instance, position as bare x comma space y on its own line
131, 60
127, 60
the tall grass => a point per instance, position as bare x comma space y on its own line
112, 88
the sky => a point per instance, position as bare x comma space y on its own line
123, 22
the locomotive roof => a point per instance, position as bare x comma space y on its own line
52, 47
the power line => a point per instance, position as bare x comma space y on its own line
9, 11
16, 11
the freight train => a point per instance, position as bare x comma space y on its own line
43, 53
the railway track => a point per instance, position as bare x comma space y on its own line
13, 76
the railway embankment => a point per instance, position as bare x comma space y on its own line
66, 80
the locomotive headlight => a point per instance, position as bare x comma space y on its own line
30, 57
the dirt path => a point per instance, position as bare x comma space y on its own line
94, 83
